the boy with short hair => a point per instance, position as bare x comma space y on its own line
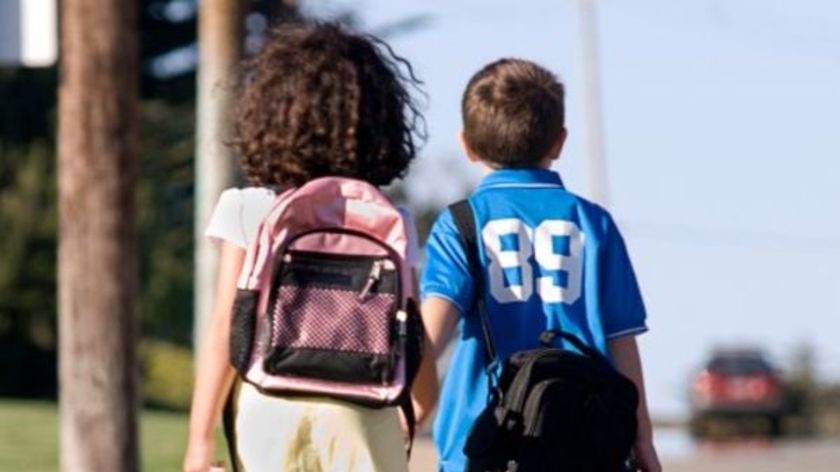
551, 259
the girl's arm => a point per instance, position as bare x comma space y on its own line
625, 354
214, 375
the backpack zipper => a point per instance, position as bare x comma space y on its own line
393, 257
373, 278
402, 337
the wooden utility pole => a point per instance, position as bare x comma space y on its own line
97, 265
591, 80
220, 26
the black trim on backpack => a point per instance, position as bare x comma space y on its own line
243, 325
327, 364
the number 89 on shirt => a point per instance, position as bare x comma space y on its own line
538, 243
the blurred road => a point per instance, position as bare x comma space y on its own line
793, 456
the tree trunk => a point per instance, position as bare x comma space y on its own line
97, 264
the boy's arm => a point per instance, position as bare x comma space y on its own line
625, 354
439, 318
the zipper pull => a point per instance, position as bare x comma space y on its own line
402, 332
402, 318
375, 275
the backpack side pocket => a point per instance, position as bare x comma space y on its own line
242, 329
415, 341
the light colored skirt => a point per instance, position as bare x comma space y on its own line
315, 435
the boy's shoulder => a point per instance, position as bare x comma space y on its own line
566, 202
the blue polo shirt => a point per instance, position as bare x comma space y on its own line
551, 260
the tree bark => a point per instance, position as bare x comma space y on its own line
97, 264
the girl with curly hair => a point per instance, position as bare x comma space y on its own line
317, 101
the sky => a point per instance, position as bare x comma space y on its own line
721, 125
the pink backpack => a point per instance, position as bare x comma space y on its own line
326, 301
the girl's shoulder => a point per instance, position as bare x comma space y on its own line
247, 195
238, 213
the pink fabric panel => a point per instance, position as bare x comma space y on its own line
320, 318
330, 201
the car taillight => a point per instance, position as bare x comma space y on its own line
708, 385
760, 388
703, 382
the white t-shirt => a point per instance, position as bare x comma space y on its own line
239, 212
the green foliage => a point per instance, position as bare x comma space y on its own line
827, 409
27, 232
167, 374
27, 248
165, 220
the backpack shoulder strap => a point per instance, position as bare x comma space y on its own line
464, 217
407, 406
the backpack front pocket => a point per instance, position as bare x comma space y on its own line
333, 318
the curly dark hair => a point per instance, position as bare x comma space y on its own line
319, 100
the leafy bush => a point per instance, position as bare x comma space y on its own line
167, 374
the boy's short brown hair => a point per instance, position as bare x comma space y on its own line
513, 112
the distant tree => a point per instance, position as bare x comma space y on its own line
27, 267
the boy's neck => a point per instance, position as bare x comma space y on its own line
545, 164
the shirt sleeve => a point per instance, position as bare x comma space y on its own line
446, 273
226, 220
621, 299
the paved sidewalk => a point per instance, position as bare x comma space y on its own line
793, 456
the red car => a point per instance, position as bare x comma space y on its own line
738, 384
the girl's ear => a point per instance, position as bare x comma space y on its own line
471, 155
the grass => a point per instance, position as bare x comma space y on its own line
29, 438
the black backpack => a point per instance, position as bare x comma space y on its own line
551, 409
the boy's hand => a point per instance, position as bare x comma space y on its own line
645, 458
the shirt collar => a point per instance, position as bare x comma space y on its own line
521, 178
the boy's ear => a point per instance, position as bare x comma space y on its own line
557, 147
471, 155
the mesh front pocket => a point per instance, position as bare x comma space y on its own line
332, 334
334, 317
334, 320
